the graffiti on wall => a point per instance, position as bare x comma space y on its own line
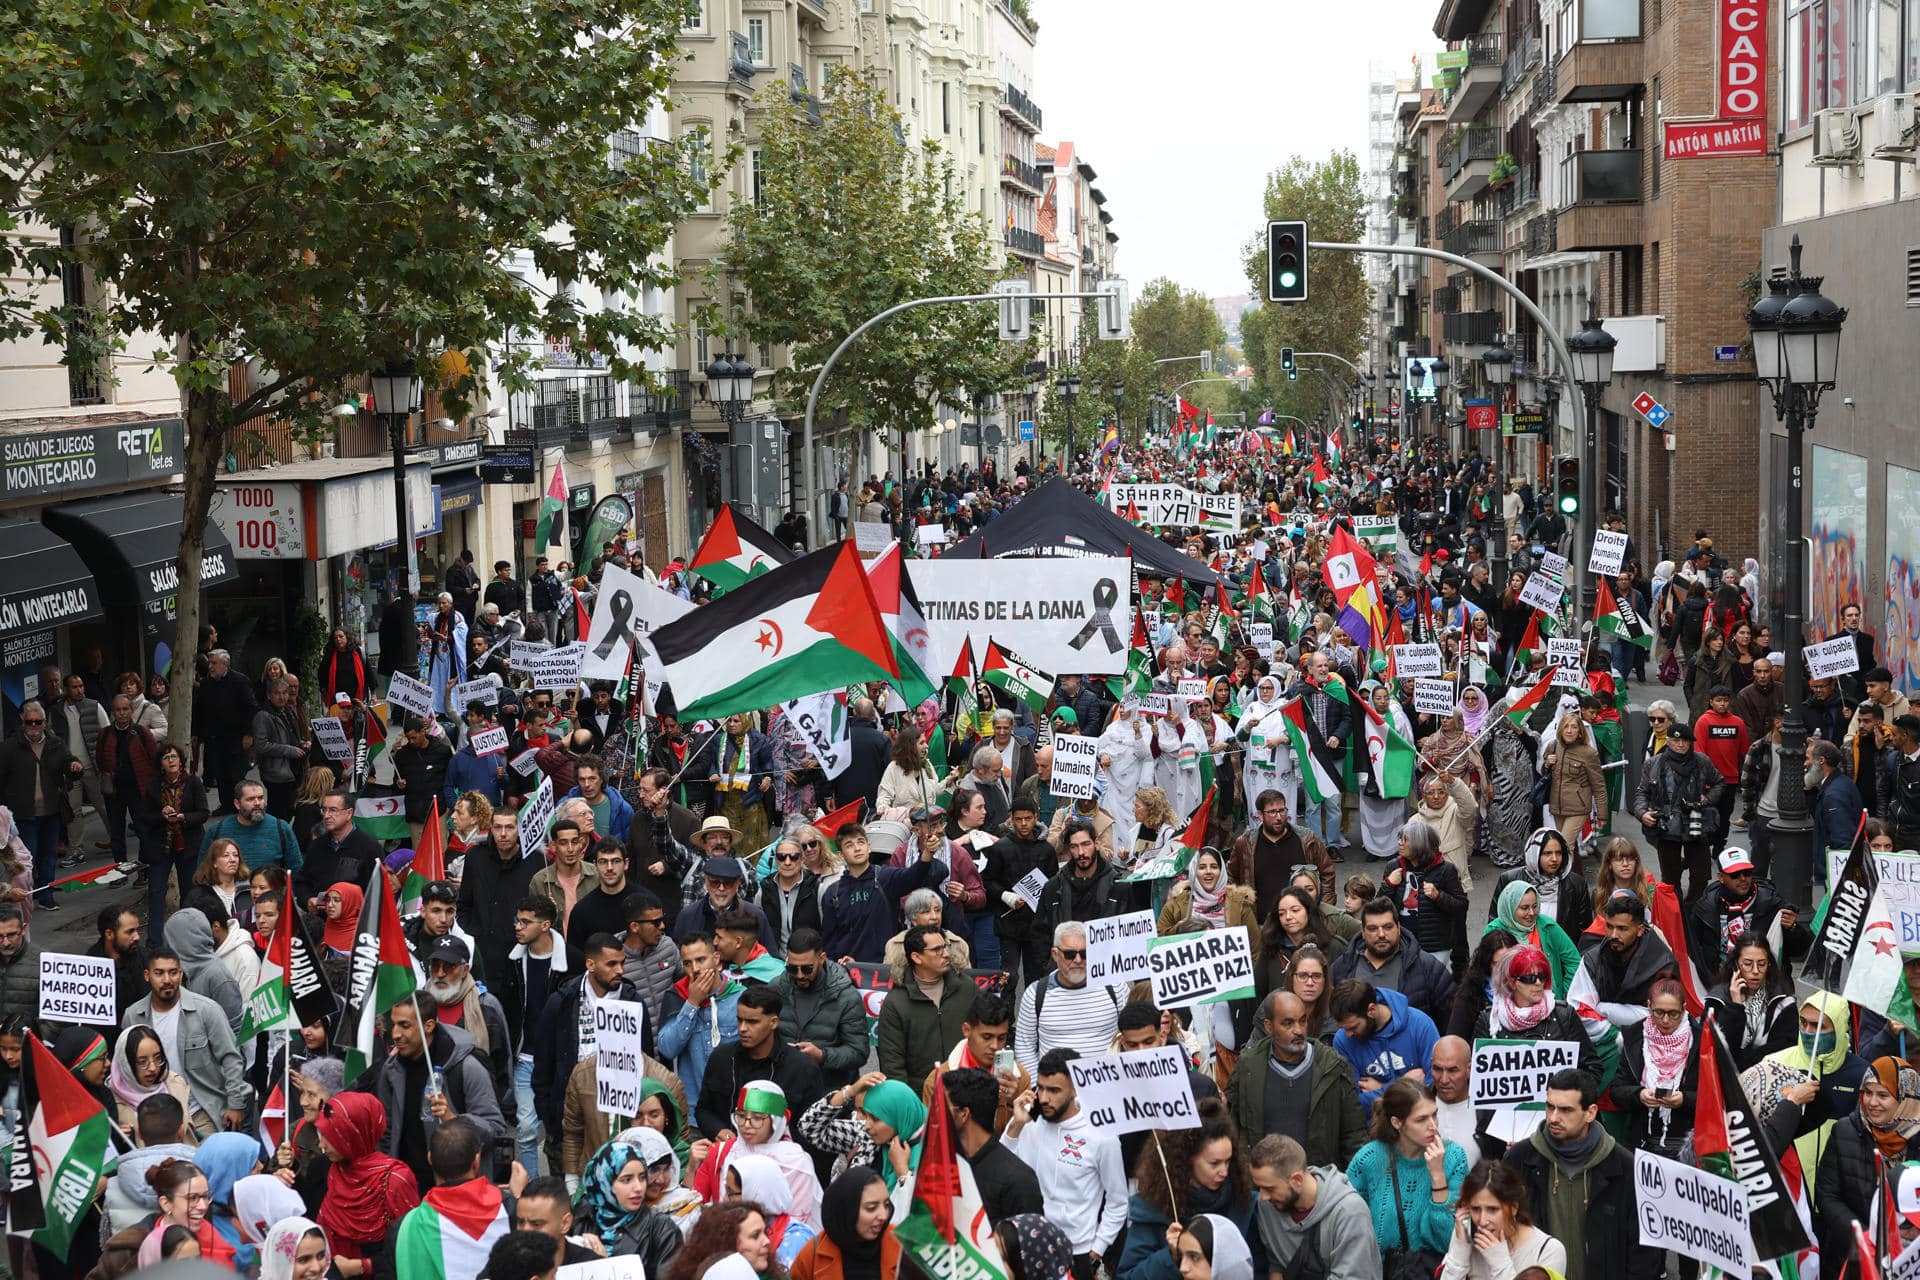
1838, 538
1901, 636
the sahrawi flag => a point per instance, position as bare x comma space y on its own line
946, 1231
912, 642
429, 863
1618, 618
553, 509
382, 817
805, 627
61, 1150
1878, 979
737, 550
383, 973
292, 991
1007, 673
1389, 756
1728, 1140
452, 1231
1314, 776
1850, 904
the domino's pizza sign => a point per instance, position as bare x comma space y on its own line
1652, 410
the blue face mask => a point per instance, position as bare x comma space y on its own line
1817, 1046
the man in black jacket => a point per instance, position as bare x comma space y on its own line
1739, 903
790, 897
860, 780
557, 1043
757, 1054
1083, 889
223, 707
1580, 1185
1021, 851
1389, 956
503, 592
1900, 783
402, 1080
659, 839
339, 853
1679, 805
1007, 1183
498, 875
35, 770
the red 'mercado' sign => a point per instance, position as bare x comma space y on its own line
1742, 71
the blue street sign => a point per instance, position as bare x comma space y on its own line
1726, 353
1026, 430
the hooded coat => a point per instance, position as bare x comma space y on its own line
1572, 895
1838, 1073
189, 934
1335, 1239
1404, 1043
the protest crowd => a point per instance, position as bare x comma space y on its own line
839, 914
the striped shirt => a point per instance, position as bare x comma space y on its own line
1083, 1018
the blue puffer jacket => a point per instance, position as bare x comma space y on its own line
470, 772
688, 1033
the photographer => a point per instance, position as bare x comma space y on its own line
1679, 805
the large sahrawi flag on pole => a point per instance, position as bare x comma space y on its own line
1728, 1141
63, 1146
946, 1231
804, 628
1847, 908
382, 974
736, 550
292, 991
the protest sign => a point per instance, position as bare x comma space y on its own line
822, 722
1200, 968
1907, 1195
410, 695
1696, 1214
1609, 549
1030, 886
1127, 1092
521, 652
1117, 948
1569, 667
481, 690
1067, 613
1147, 704
1218, 511
77, 989
1433, 697
931, 535
1899, 885
621, 1056
1076, 758
1380, 533
557, 669
537, 816
1260, 636
1511, 1073
331, 737
1554, 565
526, 762
1191, 689
489, 742
1835, 657
623, 1267
1541, 592
1155, 504
611, 634
1416, 660
871, 537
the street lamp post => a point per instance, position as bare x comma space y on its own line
1119, 393
1442, 374
1796, 355
1498, 362
1592, 352
730, 389
1069, 392
395, 388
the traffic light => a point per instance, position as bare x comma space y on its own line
1115, 315
1016, 321
1287, 261
1286, 359
1566, 485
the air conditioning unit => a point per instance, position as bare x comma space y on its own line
1893, 126
1836, 137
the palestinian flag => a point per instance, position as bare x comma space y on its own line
452, 1231
63, 1148
829, 825
1618, 618
293, 991
1728, 1140
946, 1232
383, 974
1139, 674
370, 753
1319, 784
1005, 672
429, 863
900, 609
1878, 979
382, 817
1521, 702
553, 509
808, 626
1334, 458
273, 1118
1532, 641
1299, 613
1389, 755
736, 550
1321, 480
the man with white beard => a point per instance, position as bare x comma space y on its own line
462, 1004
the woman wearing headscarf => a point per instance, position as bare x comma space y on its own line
1659, 1073
1564, 895
1517, 910
758, 1180
1524, 1008
856, 1240
139, 1070
1033, 1248
1212, 1248
879, 1124
367, 1190
259, 1201
1381, 815
340, 909
1206, 892
83, 1051
761, 1122
667, 1193
612, 1207
1822, 1056
226, 1158
296, 1249
1451, 749
1126, 753
1882, 1133
661, 1111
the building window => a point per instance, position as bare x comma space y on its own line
1876, 47
1656, 145
699, 165
1817, 60
754, 173
980, 128
84, 384
702, 346
757, 41
696, 19
946, 107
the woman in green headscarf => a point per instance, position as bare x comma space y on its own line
1517, 910
660, 1112
896, 1122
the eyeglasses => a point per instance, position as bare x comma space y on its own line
801, 970
809, 844
525, 922
1665, 1015
1656, 720
1531, 979
1076, 953
786, 857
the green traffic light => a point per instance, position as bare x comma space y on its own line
1288, 279
1569, 504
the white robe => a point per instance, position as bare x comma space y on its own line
1177, 770
1129, 767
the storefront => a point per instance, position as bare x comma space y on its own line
460, 499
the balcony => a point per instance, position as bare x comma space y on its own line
1470, 328
1479, 76
1018, 173
1466, 161
1478, 238
1541, 238
1524, 349
1018, 105
1521, 194
1521, 60
1446, 300
565, 411
1605, 62
1028, 244
1605, 211
740, 66
658, 412
1445, 221
1545, 82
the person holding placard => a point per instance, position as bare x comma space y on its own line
1078, 1166
1524, 1008
1182, 1176
1659, 1074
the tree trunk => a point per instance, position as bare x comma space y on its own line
207, 410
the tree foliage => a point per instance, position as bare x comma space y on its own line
1170, 322
1327, 193
317, 189
1102, 363
851, 221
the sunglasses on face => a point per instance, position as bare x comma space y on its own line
786, 857
33, 720
1656, 720
651, 922
801, 970
1077, 953
1532, 979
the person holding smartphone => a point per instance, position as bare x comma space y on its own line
1493, 1236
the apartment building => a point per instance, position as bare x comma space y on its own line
1848, 124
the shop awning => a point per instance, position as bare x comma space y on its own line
43, 583
142, 532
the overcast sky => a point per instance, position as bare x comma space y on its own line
1183, 109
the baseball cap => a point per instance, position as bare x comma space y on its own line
342, 699
1734, 859
448, 949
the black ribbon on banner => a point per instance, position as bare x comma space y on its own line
622, 606
1106, 594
